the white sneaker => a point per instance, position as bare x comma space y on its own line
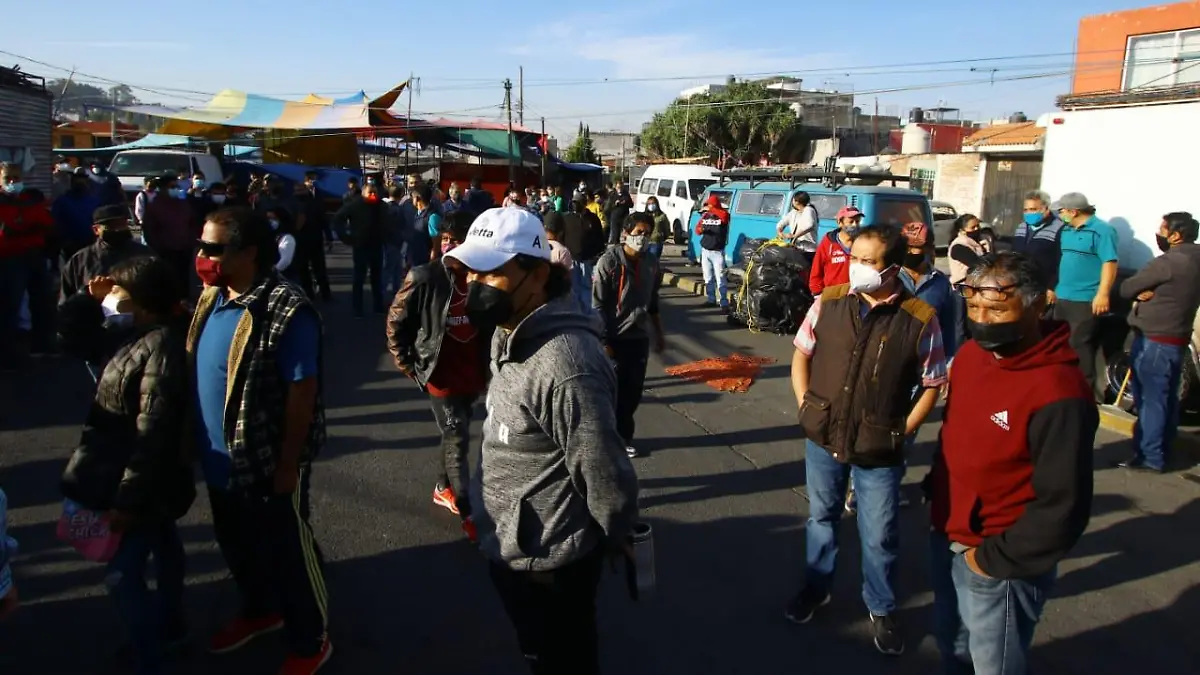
631, 451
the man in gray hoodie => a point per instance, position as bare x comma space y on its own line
554, 493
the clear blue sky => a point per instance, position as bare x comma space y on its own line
463, 50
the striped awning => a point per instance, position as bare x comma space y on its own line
240, 110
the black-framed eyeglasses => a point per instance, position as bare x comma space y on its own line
211, 249
992, 293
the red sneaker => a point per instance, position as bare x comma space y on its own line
241, 631
307, 665
443, 496
468, 527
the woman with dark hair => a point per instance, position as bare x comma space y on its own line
967, 245
129, 463
662, 226
552, 455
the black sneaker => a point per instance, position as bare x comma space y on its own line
1137, 465
802, 607
888, 639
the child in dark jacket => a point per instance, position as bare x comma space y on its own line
129, 464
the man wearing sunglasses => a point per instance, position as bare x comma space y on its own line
863, 349
255, 347
1010, 488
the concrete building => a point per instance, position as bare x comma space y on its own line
1131, 114
1160, 44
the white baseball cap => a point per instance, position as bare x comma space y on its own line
499, 235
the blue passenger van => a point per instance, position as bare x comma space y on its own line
757, 199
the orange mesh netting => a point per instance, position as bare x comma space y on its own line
732, 373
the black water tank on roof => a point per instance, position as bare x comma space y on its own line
916, 115
1017, 118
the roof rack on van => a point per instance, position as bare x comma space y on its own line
829, 175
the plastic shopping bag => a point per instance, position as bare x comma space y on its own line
87, 532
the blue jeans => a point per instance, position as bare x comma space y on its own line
395, 266
714, 276
149, 622
1157, 369
877, 491
583, 281
982, 626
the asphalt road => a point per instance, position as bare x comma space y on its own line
722, 485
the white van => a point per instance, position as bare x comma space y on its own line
132, 166
677, 187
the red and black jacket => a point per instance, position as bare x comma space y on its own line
1013, 471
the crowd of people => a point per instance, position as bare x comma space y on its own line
547, 310
232, 364
1010, 487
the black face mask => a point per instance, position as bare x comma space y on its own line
490, 306
975, 235
914, 261
995, 336
1164, 244
116, 237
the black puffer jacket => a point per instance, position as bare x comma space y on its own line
130, 455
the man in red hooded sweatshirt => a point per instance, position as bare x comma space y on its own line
1011, 485
831, 264
713, 228
25, 223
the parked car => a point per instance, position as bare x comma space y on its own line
678, 188
944, 216
756, 200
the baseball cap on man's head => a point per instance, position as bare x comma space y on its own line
849, 212
499, 235
1074, 201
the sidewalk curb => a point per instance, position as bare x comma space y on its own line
1116, 420
693, 286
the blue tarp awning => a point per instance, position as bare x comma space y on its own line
156, 141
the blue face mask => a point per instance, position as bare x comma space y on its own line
14, 188
1034, 219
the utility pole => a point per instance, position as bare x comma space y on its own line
521, 95
408, 123
512, 177
545, 151
687, 115
875, 128
113, 130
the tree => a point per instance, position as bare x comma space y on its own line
582, 150
88, 102
744, 122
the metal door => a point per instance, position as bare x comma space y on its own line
1005, 182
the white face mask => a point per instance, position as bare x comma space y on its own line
274, 224
636, 242
652, 207
218, 199
864, 279
64, 167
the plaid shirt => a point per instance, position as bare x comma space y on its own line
256, 435
930, 349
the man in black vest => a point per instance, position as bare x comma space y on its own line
863, 349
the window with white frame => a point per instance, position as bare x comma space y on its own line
1163, 59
